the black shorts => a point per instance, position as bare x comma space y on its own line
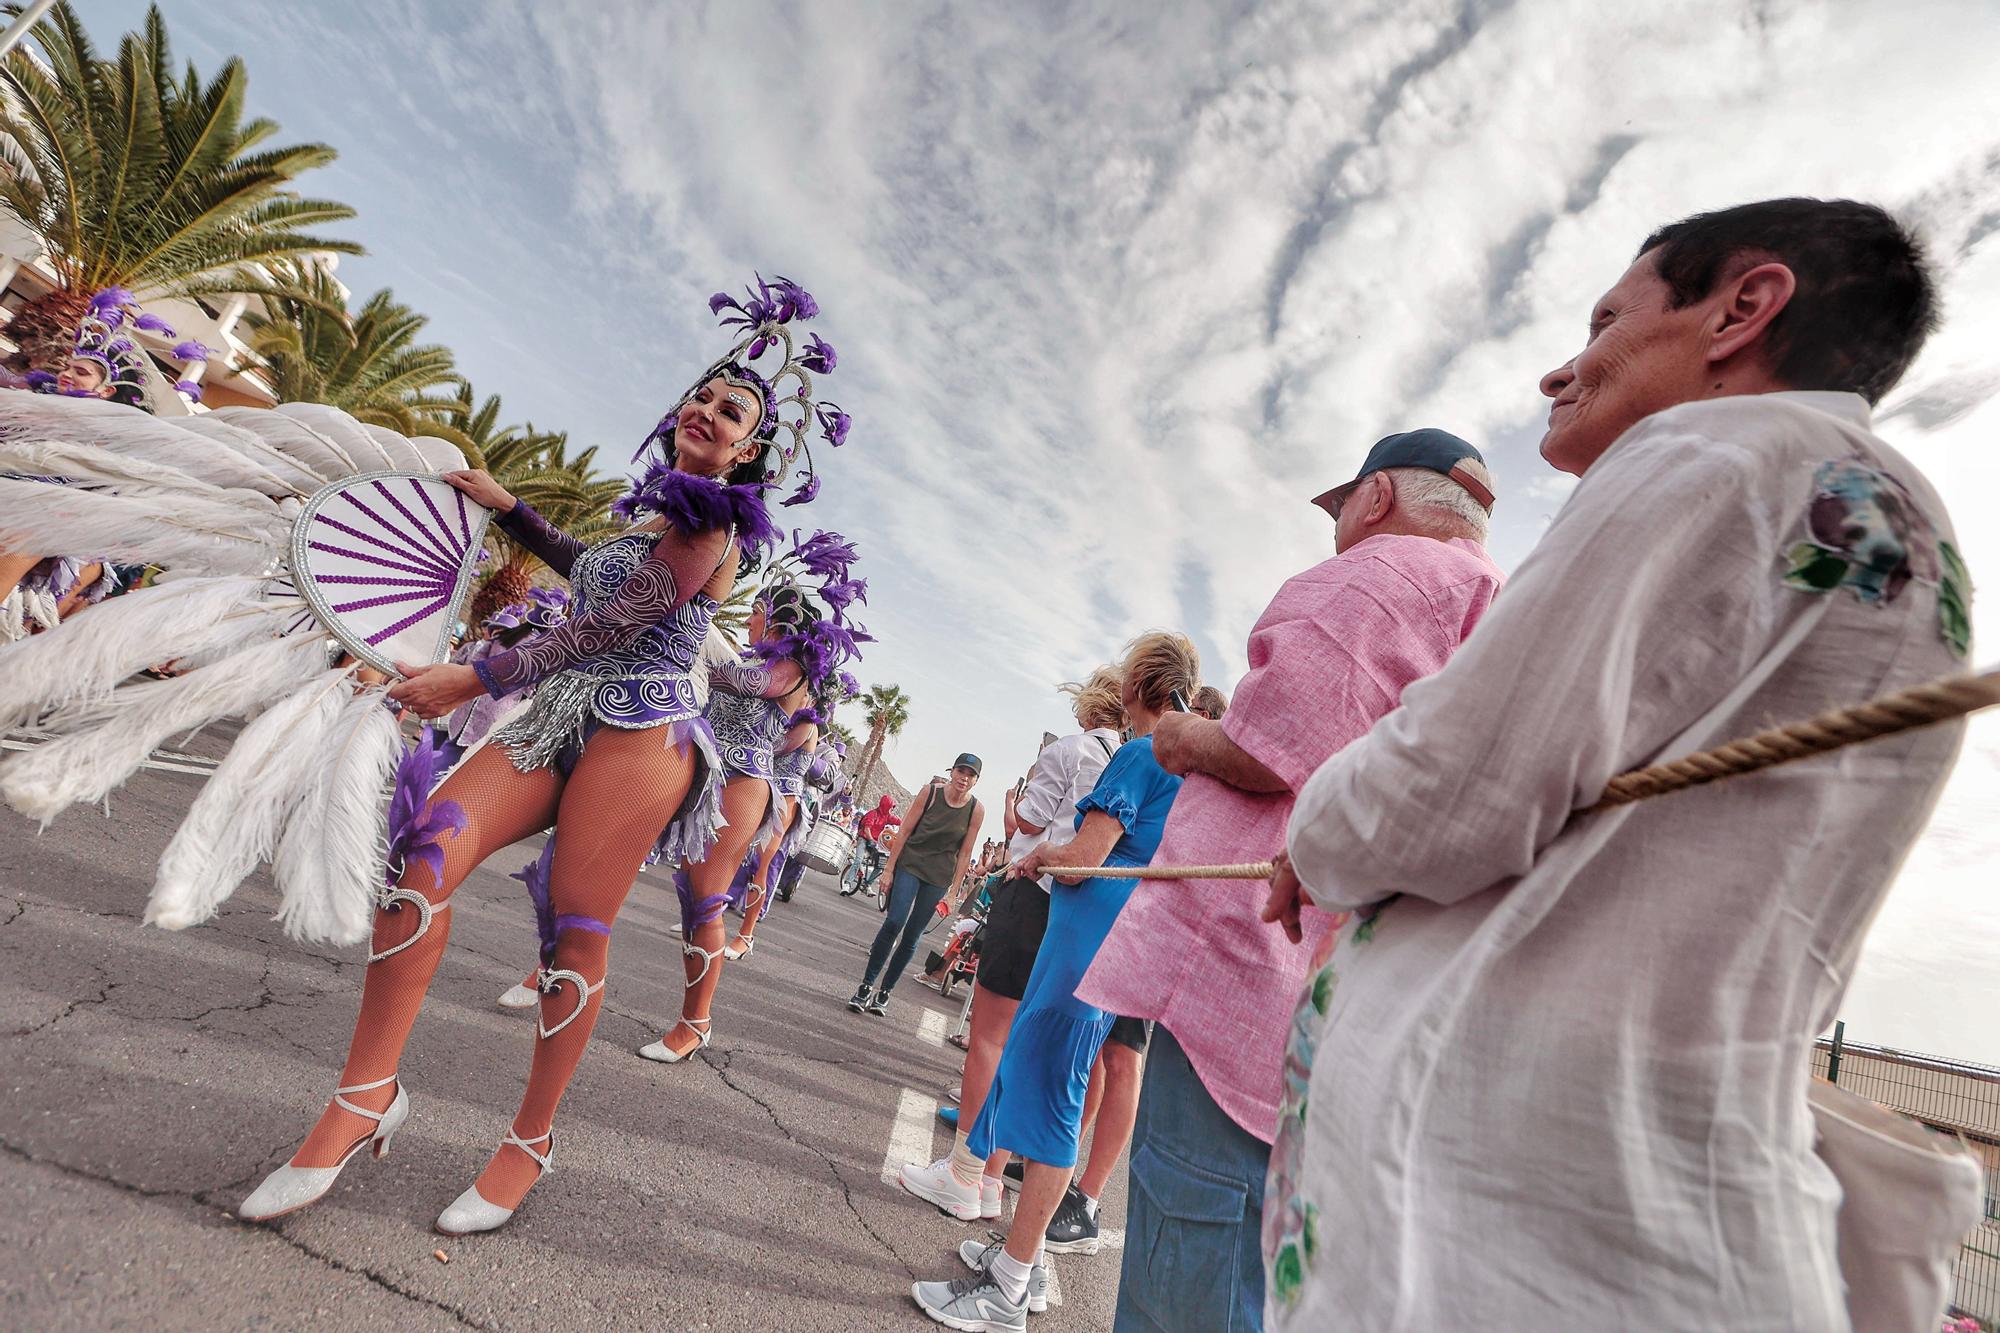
1013, 936
1132, 1032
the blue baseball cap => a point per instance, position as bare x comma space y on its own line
1439, 450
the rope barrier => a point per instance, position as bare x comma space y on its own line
1906, 710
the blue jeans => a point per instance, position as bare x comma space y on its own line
911, 904
1194, 1212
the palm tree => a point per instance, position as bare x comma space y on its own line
369, 364
133, 178
887, 710
563, 490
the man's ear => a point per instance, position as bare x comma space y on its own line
1381, 498
1750, 301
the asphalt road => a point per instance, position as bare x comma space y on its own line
151, 1079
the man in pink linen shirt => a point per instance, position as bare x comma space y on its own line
1329, 656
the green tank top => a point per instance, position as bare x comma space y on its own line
930, 851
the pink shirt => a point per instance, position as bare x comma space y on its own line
1329, 656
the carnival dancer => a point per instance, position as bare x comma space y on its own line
469, 724
756, 709
106, 362
1742, 549
793, 767
1035, 1106
819, 799
610, 751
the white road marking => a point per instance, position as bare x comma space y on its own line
932, 1026
201, 766
1111, 1238
910, 1139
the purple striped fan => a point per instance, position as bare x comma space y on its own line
385, 560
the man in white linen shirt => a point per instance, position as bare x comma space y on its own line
1554, 1075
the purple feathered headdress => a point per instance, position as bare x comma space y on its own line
764, 320
416, 835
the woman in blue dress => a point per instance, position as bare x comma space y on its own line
1035, 1107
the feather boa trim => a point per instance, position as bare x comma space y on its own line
695, 504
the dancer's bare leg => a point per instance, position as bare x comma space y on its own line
622, 792
14, 568
759, 899
743, 804
502, 805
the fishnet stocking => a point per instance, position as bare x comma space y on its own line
743, 804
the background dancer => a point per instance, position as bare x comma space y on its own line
796, 647
940, 827
611, 747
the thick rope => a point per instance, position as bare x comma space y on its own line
1906, 710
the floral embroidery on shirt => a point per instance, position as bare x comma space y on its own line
1954, 600
1291, 1223
1865, 533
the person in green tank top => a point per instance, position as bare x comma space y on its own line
939, 830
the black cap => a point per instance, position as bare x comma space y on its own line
970, 761
1438, 450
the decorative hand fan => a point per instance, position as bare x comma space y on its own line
385, 561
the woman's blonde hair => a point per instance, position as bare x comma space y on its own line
1159, 664
1099, 700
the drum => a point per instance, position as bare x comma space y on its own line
827, 848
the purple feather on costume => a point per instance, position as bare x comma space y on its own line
119, 346
507, 617
819, 356
41, 381
189, 388
807, 492
417, 834
153, 324
833, 423
192, 351
694, 504
546, 608
807, 714
825, 554
535, 875
109, 305
697, 911
853, 688
722, 301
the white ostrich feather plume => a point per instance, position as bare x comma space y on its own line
331, 854
188, 531
85, 464
13, 620
110, 737
236, 820
86, 657
221, 456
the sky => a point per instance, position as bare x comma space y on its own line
1118, 288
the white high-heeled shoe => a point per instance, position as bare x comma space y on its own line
520, 995
732, 953
291, 1188
471, 1212
667, 1055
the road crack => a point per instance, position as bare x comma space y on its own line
204, 1200
720, 1061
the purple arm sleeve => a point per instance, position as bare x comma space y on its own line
550, 544
668, 577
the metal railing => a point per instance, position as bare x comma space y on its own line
1952, 1097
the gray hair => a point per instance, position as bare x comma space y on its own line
1429, 496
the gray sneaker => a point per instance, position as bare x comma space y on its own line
979, 1254
973, 1304
878, 1004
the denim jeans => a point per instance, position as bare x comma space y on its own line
911, 905
1194, 1211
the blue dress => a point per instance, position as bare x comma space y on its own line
1035, 1107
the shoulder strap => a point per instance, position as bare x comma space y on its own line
1107, 746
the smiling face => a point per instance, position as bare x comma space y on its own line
713, 429
83, 375
1640, 358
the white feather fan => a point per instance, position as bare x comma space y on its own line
331, 854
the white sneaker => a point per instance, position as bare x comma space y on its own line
978, 1256
989, 1200
935, 1184
518, 996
